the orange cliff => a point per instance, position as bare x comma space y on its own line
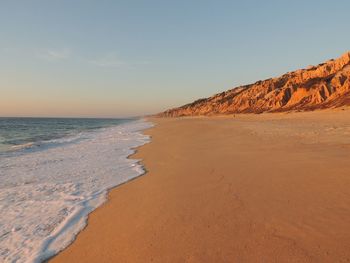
326, 85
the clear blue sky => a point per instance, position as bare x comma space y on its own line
119, 58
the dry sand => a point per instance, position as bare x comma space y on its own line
250, 188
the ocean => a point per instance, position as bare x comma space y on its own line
53, 173
22, 133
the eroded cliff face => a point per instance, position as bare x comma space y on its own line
326, 85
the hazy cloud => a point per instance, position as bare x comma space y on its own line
55, 54
109, 60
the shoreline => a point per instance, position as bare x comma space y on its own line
140, 220
107, 198
47, 194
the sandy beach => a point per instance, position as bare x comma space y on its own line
244, 188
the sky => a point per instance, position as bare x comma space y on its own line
84, 58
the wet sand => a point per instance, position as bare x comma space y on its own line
249, 188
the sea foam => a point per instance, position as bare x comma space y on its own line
46, 195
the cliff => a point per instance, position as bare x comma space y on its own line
326, 85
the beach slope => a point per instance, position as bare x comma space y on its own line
250, 188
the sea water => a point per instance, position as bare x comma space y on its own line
53, 173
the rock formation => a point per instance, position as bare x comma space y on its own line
326, 85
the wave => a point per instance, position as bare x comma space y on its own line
29, 147
22, 146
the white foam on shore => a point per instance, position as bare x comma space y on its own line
46, 196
